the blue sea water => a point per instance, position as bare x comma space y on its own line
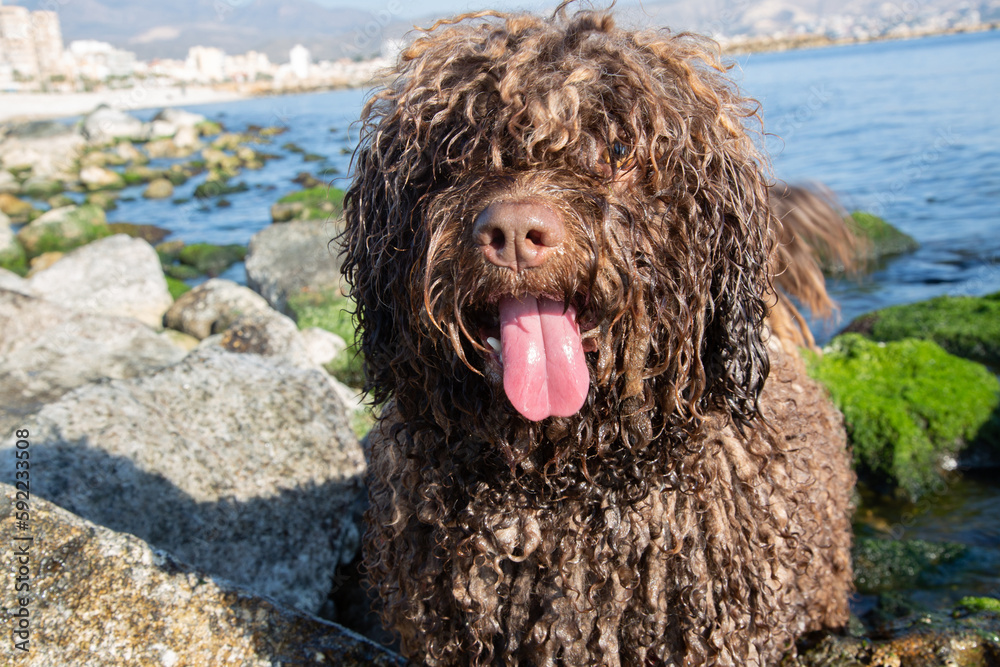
907, 130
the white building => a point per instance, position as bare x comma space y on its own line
99, 60
300, 59
207, 63
31, 45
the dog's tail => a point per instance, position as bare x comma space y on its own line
814, 233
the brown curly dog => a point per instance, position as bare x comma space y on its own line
596, 447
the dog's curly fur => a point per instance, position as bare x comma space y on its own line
690, 513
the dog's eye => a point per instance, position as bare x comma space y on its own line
619, 156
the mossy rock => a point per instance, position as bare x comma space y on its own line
63, 229
211, 259
219, 188
149, 233
883, 239
230, 141
12, 255
907, 404
966, 326
292, 147
328, 309
169, 251
105, 199
882, 565
176, 287
208, 128
978, 604
313, 157
316, 203
181, 271
160, 188
60, 200
42, 188
178, 175
139, 174
18, 210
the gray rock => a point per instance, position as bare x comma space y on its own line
269, 334
188, 139
212, 307
51, 153
127, 151
8, 183
322, 346
179, 117
117, 275
243, 466
46, 350
100, 178
12, 282
104, 124
284, 259
160, 129
107, 599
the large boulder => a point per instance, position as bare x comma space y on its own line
47, 349
62, 229
104, 125
107, 599
910, 408
50, 148
12, 282
212, 307
118, 275
285, 259
243, 466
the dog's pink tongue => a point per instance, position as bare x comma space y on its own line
544, 370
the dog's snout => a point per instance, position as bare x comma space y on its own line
519, 234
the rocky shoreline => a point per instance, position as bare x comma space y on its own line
192, 465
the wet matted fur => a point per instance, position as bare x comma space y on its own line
695, 510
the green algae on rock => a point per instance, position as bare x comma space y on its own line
965, 326
176, 287
316, 203
63, 229
328, 309
907, 405
211, 259
882, 565
882, 238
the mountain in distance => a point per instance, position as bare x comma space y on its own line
169, 29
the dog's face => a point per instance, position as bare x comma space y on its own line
559, 221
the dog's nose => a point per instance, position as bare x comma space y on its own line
519, 234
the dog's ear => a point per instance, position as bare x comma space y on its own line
381, 241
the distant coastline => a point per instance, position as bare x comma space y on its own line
29, 106
767, 44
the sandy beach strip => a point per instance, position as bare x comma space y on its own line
36, 106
